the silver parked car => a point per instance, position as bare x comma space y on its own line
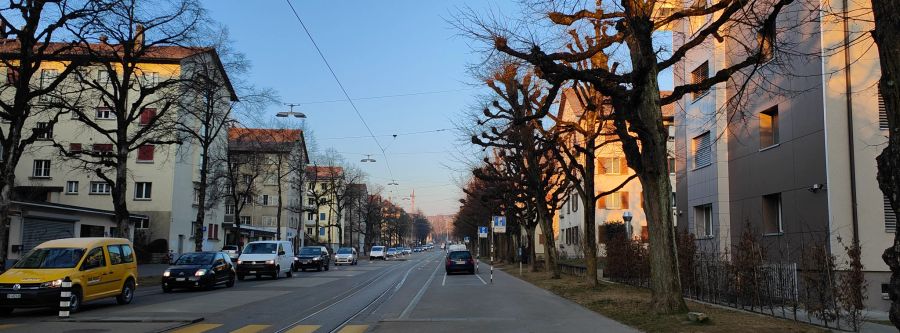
346, 255
233, 251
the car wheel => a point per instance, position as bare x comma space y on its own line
258, 276
277, 273
294, 268
303, 269
75, 300
230, 282
326, 266
6, 311
127, 294
240, 277
319, 269
289, 274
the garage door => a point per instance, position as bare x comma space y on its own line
37, 231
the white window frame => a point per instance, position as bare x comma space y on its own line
143, 191
100, 185
229, 209
700, 143
72, 187
613, 200
245, 220
40, 169
104, 113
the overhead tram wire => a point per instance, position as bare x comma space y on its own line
392, 96
389, 135
341, 85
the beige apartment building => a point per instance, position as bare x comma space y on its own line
795, 162
321, 214
161, 178
611, 170
271, 176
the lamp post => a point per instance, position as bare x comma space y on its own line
368, 159
627, 216
301, 226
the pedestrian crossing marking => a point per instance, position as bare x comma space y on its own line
303, 329
197, 328
251, 329
5, 326
354, 329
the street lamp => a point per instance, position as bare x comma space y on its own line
627, 216
285, 114
393, 182
368, 159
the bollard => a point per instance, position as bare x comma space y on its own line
65, 297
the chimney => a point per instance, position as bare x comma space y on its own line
139, 36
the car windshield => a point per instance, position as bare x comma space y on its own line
310, 251
460, 255
195, 259
345, 250
229, 248
392, 250
261, 248
51, 258
378, 248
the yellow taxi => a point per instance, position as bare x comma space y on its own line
98, 268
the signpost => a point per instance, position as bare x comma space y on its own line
482, 232
498, 224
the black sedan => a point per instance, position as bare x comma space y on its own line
460, 261
312, 257
199, 270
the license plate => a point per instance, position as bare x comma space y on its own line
13, 295
252, 272
460, 262
179, 279
305, 262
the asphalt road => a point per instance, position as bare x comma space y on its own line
408, 295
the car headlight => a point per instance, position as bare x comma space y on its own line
52, 284
167, 273
317, 258
239, 262
200, 272
270, 262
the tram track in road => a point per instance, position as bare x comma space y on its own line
349, 294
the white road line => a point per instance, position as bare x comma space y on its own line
479, 277
415, 300
445, 280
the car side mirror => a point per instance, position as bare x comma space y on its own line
281, 253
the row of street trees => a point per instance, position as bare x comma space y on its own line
609, 55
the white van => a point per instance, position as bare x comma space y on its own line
271, 258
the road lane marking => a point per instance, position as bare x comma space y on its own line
251, 329
443, 282
479, 277
354, 329
415, 300
197, 328
5, 326
303, 329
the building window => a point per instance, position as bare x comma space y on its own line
142, 190
772, 218
703, 220
311, 201
75, 148
768, 127
212, 231
43, 131
105, 113
270, 179
72, 187
150, 79
145, 153
322, 216
248, 179
47, 78
702, 150
147, 115
698, 75
613, 165
268, 221
309, 230
12, 75
41, 169
142, 224
890, 216
617, 200
310, 216
882, 112
671, 165
246, 220
264, 200
100, 188
103, 148
105, 76
229, 209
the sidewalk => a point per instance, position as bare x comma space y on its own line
148, 270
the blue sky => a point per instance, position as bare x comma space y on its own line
376, 48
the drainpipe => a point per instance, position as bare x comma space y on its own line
849, 99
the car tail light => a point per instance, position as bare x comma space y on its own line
471, 261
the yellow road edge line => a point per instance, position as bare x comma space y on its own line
251, 329
197, 328
354, 329
303, 329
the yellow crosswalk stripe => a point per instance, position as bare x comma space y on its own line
250, 329
354, 329
303, 329
197, 328
5, 326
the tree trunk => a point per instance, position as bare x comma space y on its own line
552, 257
887, 37
590, 216
5, 201
532, 255
201, 200
120, 191
279, 205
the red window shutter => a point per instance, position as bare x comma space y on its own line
12, 75
75, 147
145, 153
601, 203
624, 200
217, 230
209, 231
102, 147
147, 114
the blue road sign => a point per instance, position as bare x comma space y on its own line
499, 224
482, 232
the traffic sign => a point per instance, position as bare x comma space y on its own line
482, 232
499, 223
466, 239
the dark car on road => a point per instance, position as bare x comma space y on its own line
460, 261
312, 257
199, 270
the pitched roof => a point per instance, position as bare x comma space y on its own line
324, 171
241, 134
161, 53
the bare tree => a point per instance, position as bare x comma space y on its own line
243, 164
338, 182
134, 100
28, 83
633, 90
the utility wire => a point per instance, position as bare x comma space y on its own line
389, 135
392, 96
341, 85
